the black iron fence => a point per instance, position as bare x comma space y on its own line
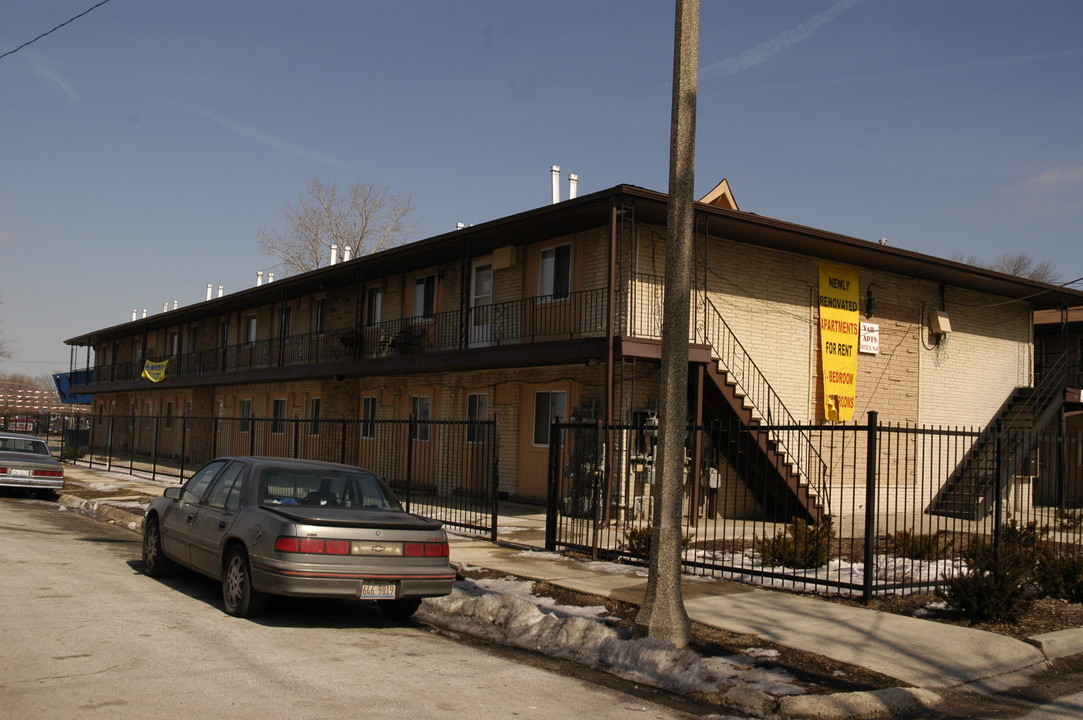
891, 526
444, 469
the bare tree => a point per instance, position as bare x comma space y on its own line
5, 347
366, 218
1019, 264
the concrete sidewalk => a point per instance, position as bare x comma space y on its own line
920, 653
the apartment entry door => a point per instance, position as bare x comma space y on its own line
481, 299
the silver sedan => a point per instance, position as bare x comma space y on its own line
25, 462
273, 526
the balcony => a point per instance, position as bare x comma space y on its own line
529, 320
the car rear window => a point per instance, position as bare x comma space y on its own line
22, 445
329, 488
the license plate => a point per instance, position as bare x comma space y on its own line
20, 472
370, 591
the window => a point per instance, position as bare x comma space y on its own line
425, 296
223, 489
477, 413
278, 416
246, 414
174, 343
554, 278
148, 412
196, 487
225, 333
169, 415
314, 416
368, 417
250, 329
188, 416
285, 322
319, 321
548, 406
374, 301
420, 414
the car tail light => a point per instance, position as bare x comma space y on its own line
3, 471
44, 473
435, 549
316, 546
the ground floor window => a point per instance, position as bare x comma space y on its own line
548, 406
420, 414
477, 411
368, 418
278, 416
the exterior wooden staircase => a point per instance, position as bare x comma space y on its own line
761, 439
1001, 449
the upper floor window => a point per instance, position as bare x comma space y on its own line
374, 303
425, 296
555, 269
250, 329
319, 319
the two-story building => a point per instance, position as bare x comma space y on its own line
556, 312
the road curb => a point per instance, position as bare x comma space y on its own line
103, 510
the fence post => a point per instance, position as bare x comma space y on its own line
184, 445
494, 451
871, 457
998, 495
554, 488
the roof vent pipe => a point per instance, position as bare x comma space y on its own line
334, 254
210, 291
573, 186
345, 253
270, 277
555, 171
221, 290
176, 304
144, 312
165, 306
134, 314
259, 278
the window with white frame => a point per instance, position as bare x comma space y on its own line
554, 272
245, 413
368, 418
374, 304
420, 414
477, 413
425, 296
250, 329
278, 416
548, 406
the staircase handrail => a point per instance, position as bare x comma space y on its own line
795, 442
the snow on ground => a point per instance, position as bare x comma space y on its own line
507, 611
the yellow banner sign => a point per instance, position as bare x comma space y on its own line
154, 371
840, 331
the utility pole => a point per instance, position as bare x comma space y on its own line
663, 615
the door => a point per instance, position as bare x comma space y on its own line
176, 523
213, 516
481, 299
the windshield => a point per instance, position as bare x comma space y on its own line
326, 488
23, 445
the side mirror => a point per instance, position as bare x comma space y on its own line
173, 493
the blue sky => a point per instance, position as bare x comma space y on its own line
145, 143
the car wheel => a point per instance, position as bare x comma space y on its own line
401, 610
239, 598
155, 563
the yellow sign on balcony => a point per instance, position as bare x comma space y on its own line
155, 371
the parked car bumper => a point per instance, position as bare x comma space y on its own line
32, 483
305, 581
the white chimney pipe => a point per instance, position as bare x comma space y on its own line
176, 304
270, 277
144, 312
165, 306
334, 254
134, 314
346, 253
210, 291
259, 278
555, 171
573, 186
221, 289
460, 225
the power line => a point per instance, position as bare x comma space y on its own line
39, 37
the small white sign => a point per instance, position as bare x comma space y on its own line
870, 339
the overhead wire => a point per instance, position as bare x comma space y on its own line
66, 22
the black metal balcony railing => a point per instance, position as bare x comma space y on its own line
534, 319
